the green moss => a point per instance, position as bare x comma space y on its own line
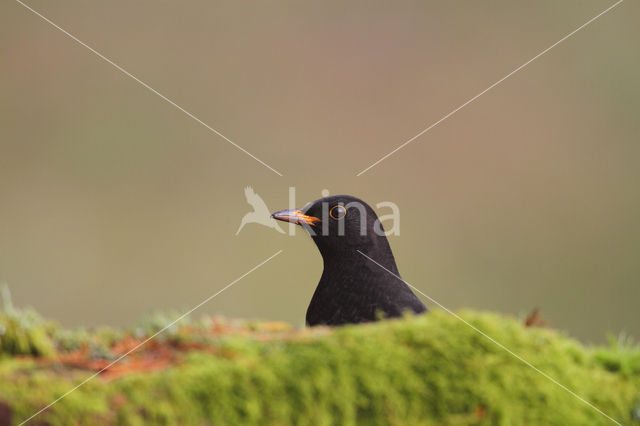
23, 331
427, 370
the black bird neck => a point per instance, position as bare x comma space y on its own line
352, 257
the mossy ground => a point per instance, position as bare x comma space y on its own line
428, 370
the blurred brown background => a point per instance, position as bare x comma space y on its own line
113, 203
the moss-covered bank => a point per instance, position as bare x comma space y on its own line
427, 370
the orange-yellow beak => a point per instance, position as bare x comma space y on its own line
295, 216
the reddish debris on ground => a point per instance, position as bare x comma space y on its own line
151, 358
534, 319
157, 354
6, 415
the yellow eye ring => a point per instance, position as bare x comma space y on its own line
338, 212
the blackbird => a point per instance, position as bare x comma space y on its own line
352, 289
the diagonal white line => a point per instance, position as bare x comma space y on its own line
491, 87
500, 345
128, 74
151, 337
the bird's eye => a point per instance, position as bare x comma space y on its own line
337, 212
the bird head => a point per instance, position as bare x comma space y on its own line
338, 224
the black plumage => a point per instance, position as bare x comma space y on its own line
352, 289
